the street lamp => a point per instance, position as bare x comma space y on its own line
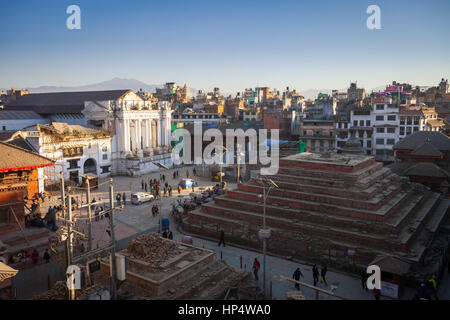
238, 156
263, 233
220, 162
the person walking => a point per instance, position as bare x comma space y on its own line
222, 238
194, 172
323, 273
376, 293
256, 266
432, 286
124, 198
364, 279
118, 197
35, 256
179, 189
145, 187
174, 175
164, 177
46, 256
142, 184
296, 276
315, 271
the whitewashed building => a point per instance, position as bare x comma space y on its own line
140, 130
76, 150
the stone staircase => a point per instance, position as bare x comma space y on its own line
321, 212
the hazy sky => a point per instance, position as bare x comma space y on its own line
231, 44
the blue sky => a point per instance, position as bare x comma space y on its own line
230, 44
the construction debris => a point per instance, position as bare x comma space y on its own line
295, 295
153, 249
58, 292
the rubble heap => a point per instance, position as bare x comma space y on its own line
153, 249
58, 292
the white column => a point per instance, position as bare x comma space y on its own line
118, 134
168, 131
139, 134
158, 133
150, 134
126, 135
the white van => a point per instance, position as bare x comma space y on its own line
140, 197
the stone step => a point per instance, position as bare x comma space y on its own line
326, 174
370, 204
299, 215
317, 230
417, 221
374, 215
364, 250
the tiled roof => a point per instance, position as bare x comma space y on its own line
62, 102
426, 169
427, 149
15, 158
21, 143
5, 135
15, 115
440, 141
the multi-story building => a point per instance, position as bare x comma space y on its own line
354, 93
75, 149
319, 135
386, 130
361, 127
189, 116
411, 120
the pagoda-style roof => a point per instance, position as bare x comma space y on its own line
14, 158
440, 141
427, 149
426, 169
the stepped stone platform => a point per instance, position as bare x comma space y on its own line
343, 210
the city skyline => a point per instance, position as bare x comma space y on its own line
230, 45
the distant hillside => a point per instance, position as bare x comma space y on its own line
113, 84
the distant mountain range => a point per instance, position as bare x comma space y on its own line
118, 83
113, 84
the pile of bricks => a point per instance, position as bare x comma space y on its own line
58, 292
153, 249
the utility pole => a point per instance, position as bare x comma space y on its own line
69, 242
113, 240
238, 165
63, 196
89, 214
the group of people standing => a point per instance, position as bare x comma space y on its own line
317, 276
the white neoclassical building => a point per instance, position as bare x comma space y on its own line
140, 129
